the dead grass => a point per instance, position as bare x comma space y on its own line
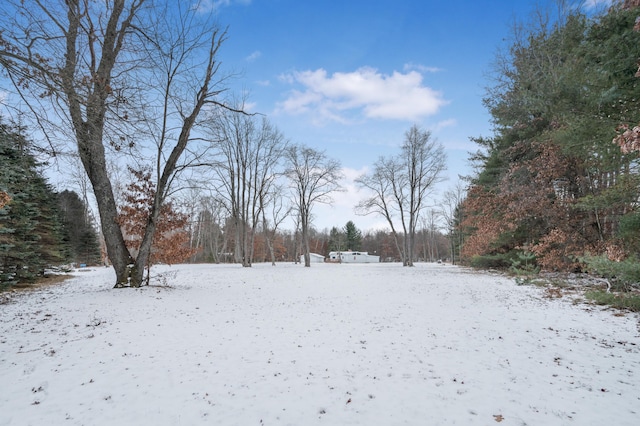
6, 294
584, 288
625, 301
45, 281
553, 293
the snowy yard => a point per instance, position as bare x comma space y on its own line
331, 344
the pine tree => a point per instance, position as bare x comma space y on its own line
551, 181
353, 236
79, 232
30, 229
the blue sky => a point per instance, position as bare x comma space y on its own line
351, 76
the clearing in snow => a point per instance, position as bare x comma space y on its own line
373, 344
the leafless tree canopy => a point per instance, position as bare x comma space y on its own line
249, 152
400, 187
314, 177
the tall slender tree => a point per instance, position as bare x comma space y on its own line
400, 187
314, 177
337, 240
79, 232
249, 152
275, 209
453, 214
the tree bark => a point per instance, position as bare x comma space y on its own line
89, 127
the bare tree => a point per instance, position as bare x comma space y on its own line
382, 183
429, 224
249, 152
313, 177
452, 214
114, 73
275, 203
210, 216
295, 238
401, 185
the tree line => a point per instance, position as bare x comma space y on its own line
141, 88
239, 222
41, 229
138, 85
214, 242
553, 183
38, 227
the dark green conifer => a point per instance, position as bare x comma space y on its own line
79, 232
30, 231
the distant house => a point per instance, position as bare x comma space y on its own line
352, 257
315, 258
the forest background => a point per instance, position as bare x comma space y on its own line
556, 187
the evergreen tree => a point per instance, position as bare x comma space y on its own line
30, 230
79, 232
353, 236
551, 180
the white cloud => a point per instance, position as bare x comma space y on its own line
375, 95
342, 209
445, 123
212, 5
420, 68
253, 56
590, 4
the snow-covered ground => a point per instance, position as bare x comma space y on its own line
331, 344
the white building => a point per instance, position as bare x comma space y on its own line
314, 257
352, 257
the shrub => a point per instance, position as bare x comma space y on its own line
629, 231
616, 300
524, 264
621, 275
497, 261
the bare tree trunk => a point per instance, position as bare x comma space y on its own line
167, 174
89, 127
314, 177
268, 238
305, 239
